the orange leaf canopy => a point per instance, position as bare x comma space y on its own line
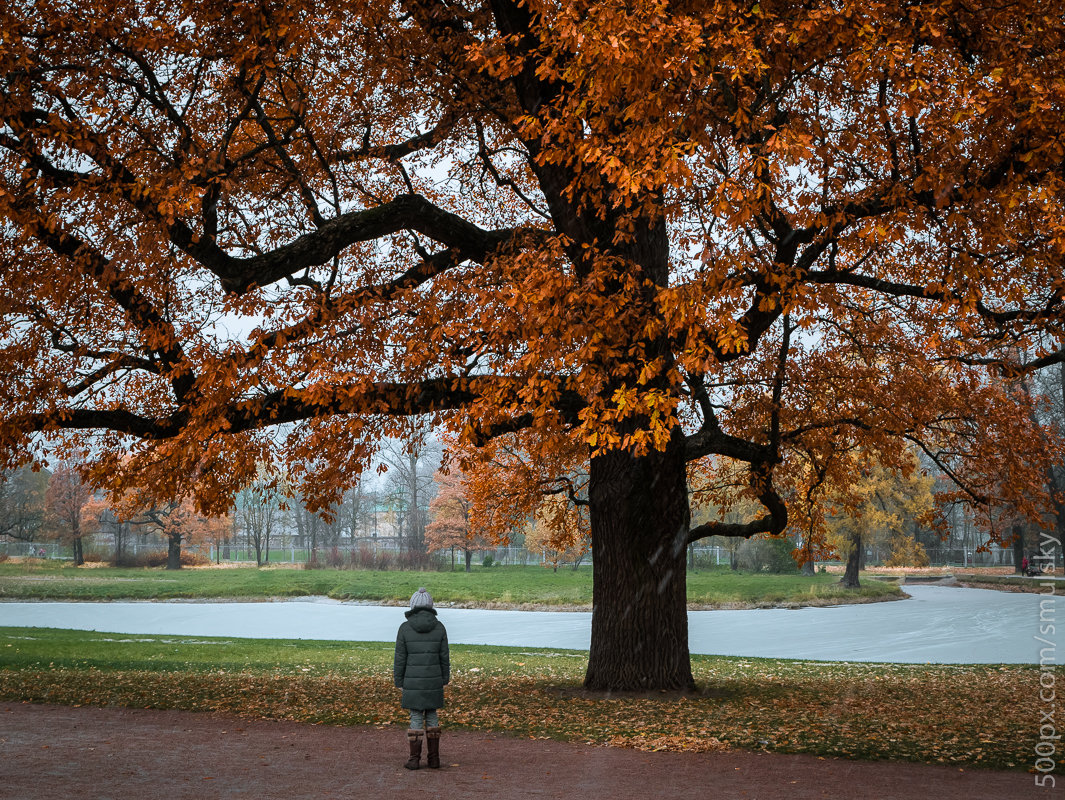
757, 234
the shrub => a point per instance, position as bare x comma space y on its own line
363, 558
489, 560
410, 559
4, 557
705, 560
193, 558
142, 559
383, 560
906, 552
419, 560
334, 558
767, 555
158, 558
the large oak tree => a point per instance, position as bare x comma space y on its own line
656, 233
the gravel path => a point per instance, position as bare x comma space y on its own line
59, 752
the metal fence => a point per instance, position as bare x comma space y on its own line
703, 555
102, 549
34, 549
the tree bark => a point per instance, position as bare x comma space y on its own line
854, 560
640, 521
469, 557
1018, 548
173, 551
121, 532
415, 528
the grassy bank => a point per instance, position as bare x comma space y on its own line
501, 586
966, 716
1009, 583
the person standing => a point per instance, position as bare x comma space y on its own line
422, 668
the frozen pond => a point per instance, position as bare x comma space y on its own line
936, 625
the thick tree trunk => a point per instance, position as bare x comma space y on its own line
469, 558
1018, 548
120, 542
640, 521
173, 552
79, 553
854, 560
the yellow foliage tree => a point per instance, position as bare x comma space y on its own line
559, 532
882, 504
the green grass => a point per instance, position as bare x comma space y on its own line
501, 585
723, 587
980, 715
1029, 584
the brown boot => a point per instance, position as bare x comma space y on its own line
432, 738
414, 739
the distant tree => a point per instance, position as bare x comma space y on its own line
22, 503
449, 519
411, 464
1047, 388
257, 513
882, 504
351, 512
771, 554
310, 527
98, 518
177, 521
64, 503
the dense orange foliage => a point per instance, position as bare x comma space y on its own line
449, 515
626, 234
64, 505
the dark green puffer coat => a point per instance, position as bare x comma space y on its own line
423, 665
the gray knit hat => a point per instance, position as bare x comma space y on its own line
421, 599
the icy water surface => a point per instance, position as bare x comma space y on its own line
936, 625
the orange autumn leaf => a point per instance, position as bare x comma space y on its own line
633, 242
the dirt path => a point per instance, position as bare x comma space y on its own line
58, 752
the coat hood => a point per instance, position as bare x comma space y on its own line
421, 619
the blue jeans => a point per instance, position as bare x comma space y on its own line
423, 718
